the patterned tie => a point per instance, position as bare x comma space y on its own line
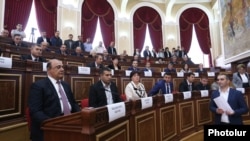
190, 87
64, 98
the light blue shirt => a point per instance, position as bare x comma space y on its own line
87, 47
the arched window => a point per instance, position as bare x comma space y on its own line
147, 16
197, 18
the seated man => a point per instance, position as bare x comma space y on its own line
164, 86
17, 41
187, 84
170, 68
44, 46
200, 69
62, 50
98, 62
148, 67
104, 92
134, 66
203, 84
4, 33
36, 54
78, 52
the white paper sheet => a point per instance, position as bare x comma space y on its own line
127, 72
148, 73
223, 104
83, 70
168, 98
204, 93
187, 95
116, 111
180, 74
45, 66
5, 62
241, 89
146, 102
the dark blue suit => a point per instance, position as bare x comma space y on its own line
237, 103
133, 69
170, 71
97, 96
44, 103
160, 86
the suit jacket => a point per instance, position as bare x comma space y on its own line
146, 54
200, 86
237, 103
237, 80
19, 45
97, 95
92, 65
56, 41
182, 53
167, 54
112, 67
44, 103
170, 71
79, 43
67, 43
161, 86
146, 69
200, 71
154, 54
133, 69
110, 50
60, 52
28, 57
75, 54
184, 86
40, 40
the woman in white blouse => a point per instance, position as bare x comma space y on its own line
134, 89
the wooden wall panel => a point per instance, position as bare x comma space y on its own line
204, 115
186, 115
10, 96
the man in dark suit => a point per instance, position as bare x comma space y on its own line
69, 42
35, 54
62, 50
56, 40
203, 84
49, 98
134, 66
104, 92
17, 41
146, 52
187, 84
111, 48
164, 86
43, 38
79, 43
97, 63
231, 96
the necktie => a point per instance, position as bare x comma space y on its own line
112, 51
167, 89
64, 99
36, 60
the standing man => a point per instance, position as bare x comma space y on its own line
69, 43
165, 86
147, 53
233, 97
187, 84
104, 92
56, 40
111, 48
18, 30
88, 45
43, 38
49, 98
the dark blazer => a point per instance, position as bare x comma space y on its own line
19, 45
182, 53
79, 43
111, 66
133, 69
97, 96
199, 87
75, 54
146, 54
60, 52
92, 65
44, 103
184, 86
170, 71
200, 71
110, 51
145, 69
167, 54
160, 86
154, 54
56, 41
237, 103
28, 57
40, 40
67, 44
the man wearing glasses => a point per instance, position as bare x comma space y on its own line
233, 97
49, 98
